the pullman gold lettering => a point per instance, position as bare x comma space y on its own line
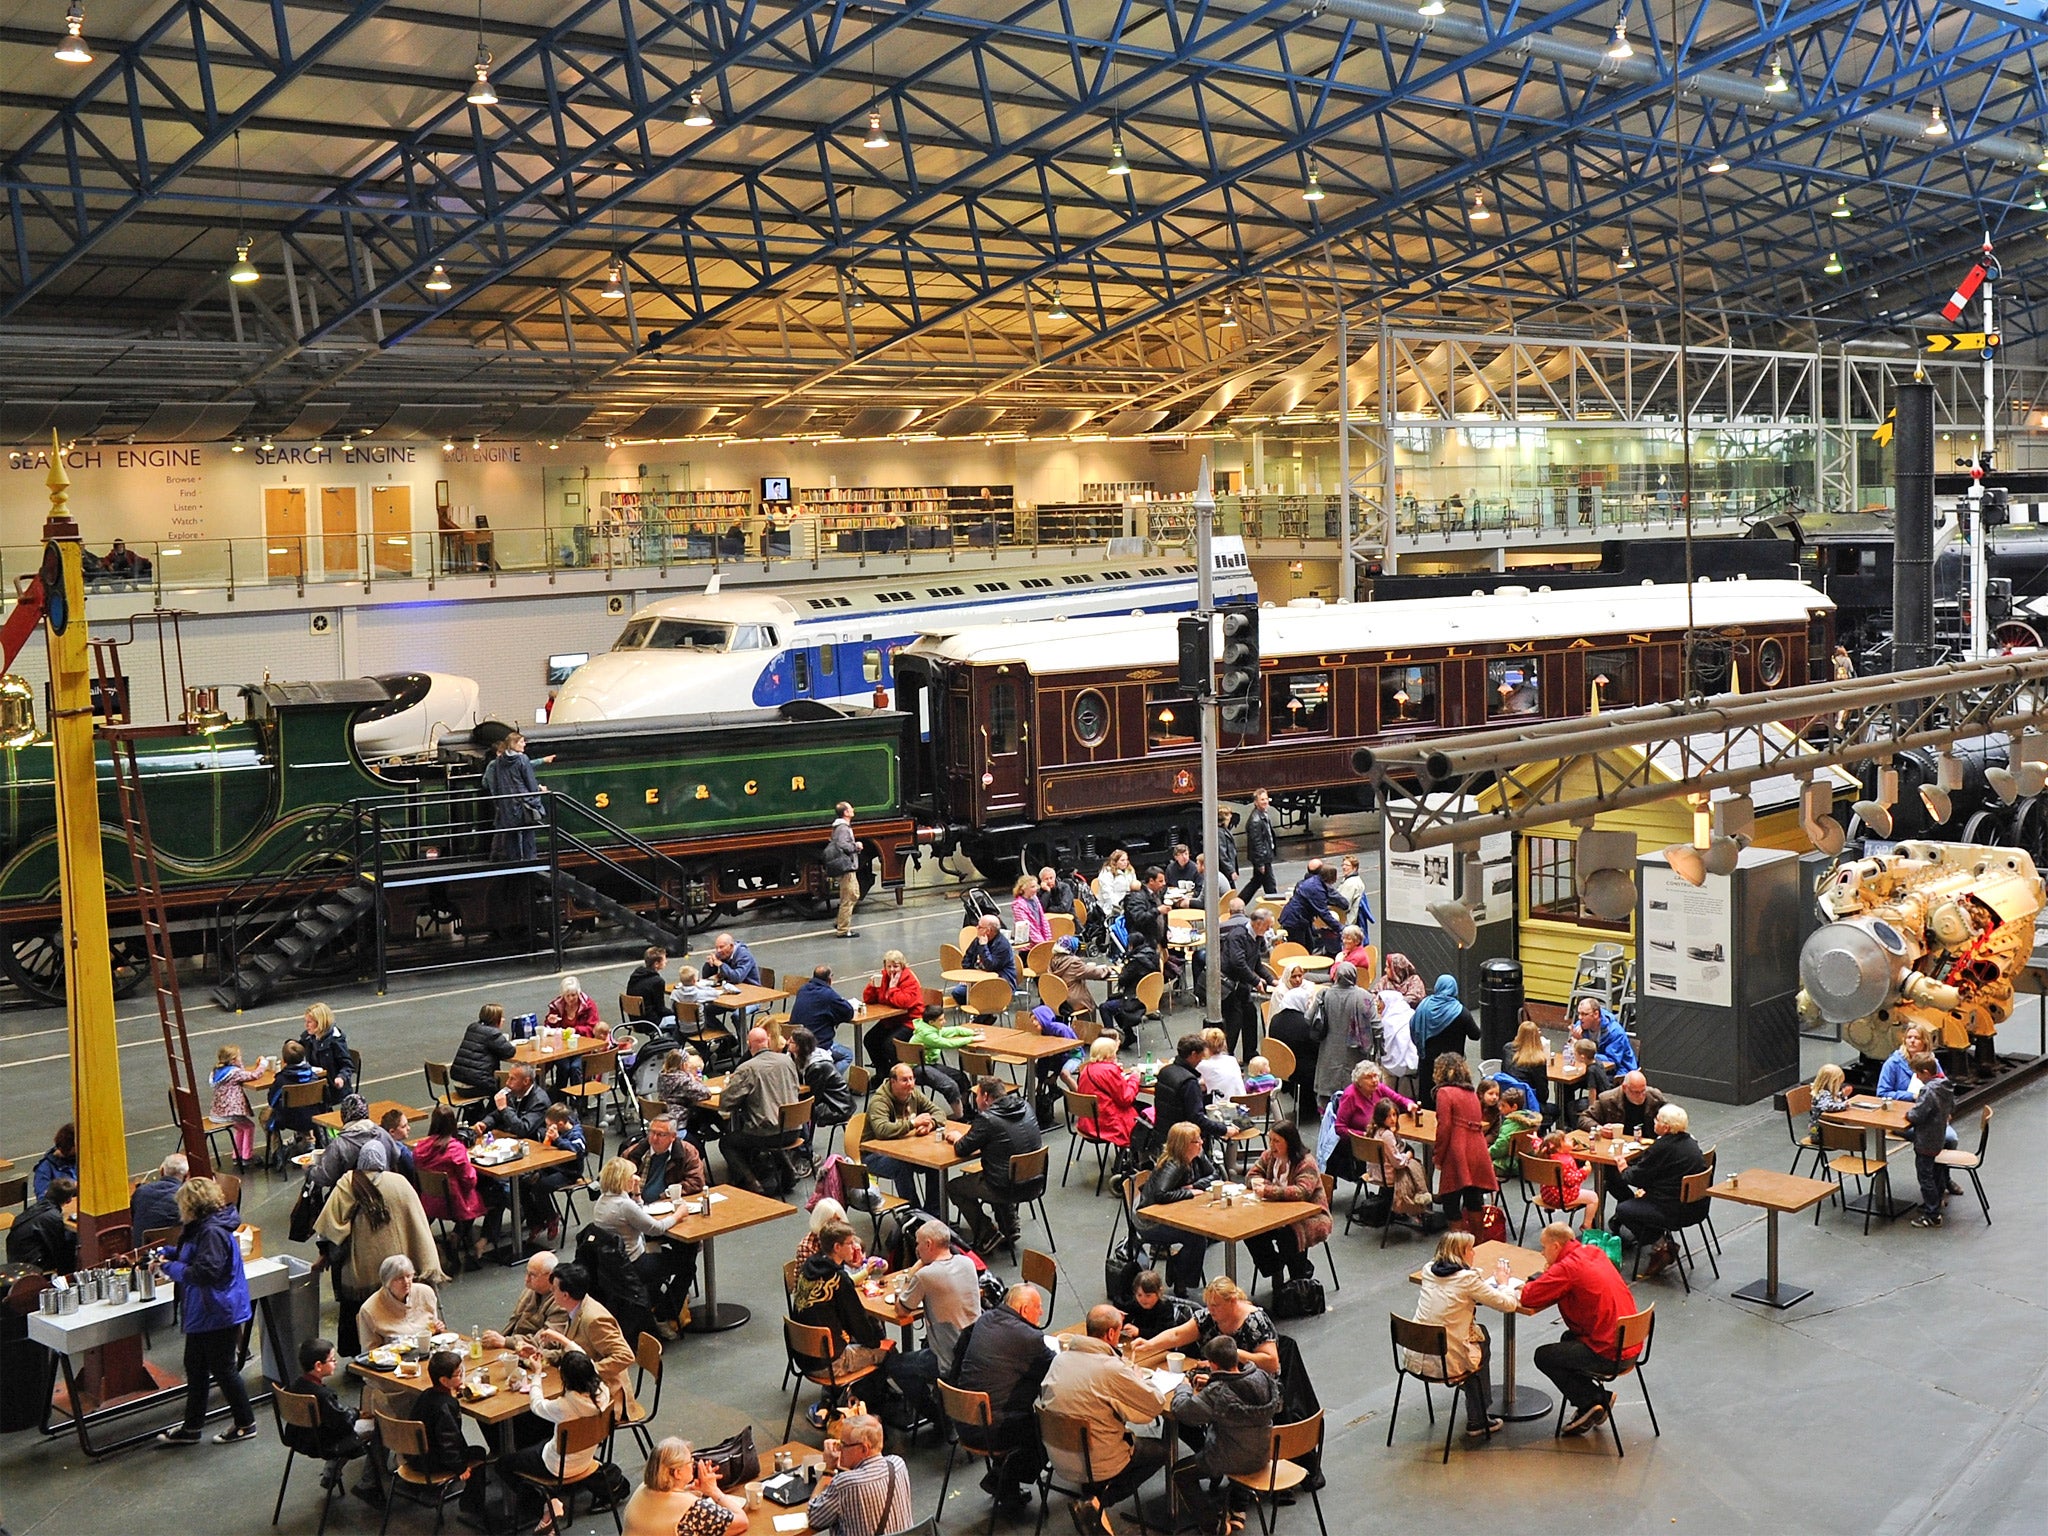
703, 791
796, 781
751, 786
654, 797
603, 800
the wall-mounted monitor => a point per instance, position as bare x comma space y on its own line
774, 488
559, 667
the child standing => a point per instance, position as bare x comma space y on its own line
231, 1101
1928, 1121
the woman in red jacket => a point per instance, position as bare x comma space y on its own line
442, 1151
895, 986
1464, 1160
1115, 1090
573, 1009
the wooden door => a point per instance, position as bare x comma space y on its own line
284, 530
391, 528
340, 544
1004, 737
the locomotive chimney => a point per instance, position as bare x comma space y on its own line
1913, 531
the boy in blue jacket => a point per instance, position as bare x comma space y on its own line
1928, 1121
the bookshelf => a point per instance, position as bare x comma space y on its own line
883, 519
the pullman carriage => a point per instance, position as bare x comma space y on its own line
1051, 742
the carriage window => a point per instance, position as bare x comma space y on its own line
1002, 718
1770, 663
1709, 666
1091, 718
871, 665
1407, 696
1298, 704
956, 729
1553, 892
1512, 688
1171, 720
801, 661
1614, 674
828, 658
753, 637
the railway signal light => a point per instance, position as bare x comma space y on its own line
1237, 692
1194, 656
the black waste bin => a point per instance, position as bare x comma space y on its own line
1500, 1006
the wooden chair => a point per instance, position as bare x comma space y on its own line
860, 1082
768, 978
1431, 1341
966, 1410
1330, 1204
1842, 1147
1280, 1057
599, 1068
796, 1126
1538, 1174
307, 1096
13, 1192
990, 998
1082, 1106
573, 1439
441, 1089
855, 1179
1052, 992
434, 1186
1149, 991
295, 1410
648, 1360
1062, 1435
1062, 926
1635, 1332
1372, 1160
810, 1359
951, 956
1970, 1162
977, 1064
403, 1439
1692, 1190
1041, 1270
585, 1183
1281, 953
1029, 1176
1291, 1445
1797, 1103
1257, 1106
909, 1053
650, 1107
1038, 959
967, 937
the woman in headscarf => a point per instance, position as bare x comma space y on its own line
1442, 1023
1343, 1023
1401, 977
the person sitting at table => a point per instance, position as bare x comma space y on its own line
401, 1307
1406, 1184
443, 1151
825, 1295
1230, 1401
583, 1396
870, 1493
1287, 1170
230, 1084
1179, 868
681, 1086
1592, 1298
1181, 1173
326, 1049
819, 1008
831, 1099
1343, 1022
823, 1214
730, 962
1452, 1291
1004, 1355
934, 1036
1308, 916
1657, 1174
397, 1125
538, 1308
1077, 970
1113, 883
1295, 991
679, 1496
1153, 1308
1464, 1161
1219, 1070
1027, 914
1352, 950
1602, 1044
668, 1270
293, 1072
1569, 1192
371, 1215
1226, 1312
647, 986
1259, 1076
1897, 1082
1355, 1106
520, 1108
1145, 910
1177, 1093
691, 987
895, 985
339, 1436
1528, 1058
1442, 1022
1056, 895
345, 1151
897, 1109
60, 1162
1003, 1128
575, 1010
1516, 1123
1633, 1106
485, 1048
592, 1329
438, 1411
756, 1146
1489, 1107
561, 1131
946, 1286
1115, 1088
154, 1203
990, 951
1092, 1384
1830, 1095
669, 1167
42, 1236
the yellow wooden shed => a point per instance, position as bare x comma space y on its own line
1552, 931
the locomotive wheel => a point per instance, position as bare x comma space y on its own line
2015, 635
33, 959
1986, 827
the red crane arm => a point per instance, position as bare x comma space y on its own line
22, 622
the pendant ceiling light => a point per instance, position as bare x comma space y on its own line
1936, 127
1777, 84
1626, 261
480, 92
1430, 8
1058, 310
1313, 192
244, 270
1841, 210
614, 280
1479, 212
1619, 47
1834, 264
1118, 165
437, 280
699, 115
71, 48
1719, 164
1229, 320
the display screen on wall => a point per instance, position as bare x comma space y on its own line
775, 487
559, 667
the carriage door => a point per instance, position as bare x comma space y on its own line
1004, 742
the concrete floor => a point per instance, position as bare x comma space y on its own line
1906, 1395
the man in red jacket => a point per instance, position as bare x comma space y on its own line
1592, 1298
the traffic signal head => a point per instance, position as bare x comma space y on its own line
1194, 656
1237, 689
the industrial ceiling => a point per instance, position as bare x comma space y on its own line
820, 217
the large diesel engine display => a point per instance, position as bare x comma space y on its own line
1930, 933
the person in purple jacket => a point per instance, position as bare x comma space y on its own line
213, 1308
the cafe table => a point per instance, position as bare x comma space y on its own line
1564, 1079
1207, 1216
1773, 1193
538, 1052
966, 978
1023, 1045
776, 1519
1603, 1154
1511, 1401
1877, 1119
878, 1300
929, 1155
1420, 1128
375, 1114
730, 1209
533, 1157
1312, 964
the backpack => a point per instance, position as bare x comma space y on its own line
306, 1209
1297, 1298
829, 1186
1489, 1224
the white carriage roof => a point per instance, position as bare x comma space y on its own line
1075, 645
736, 607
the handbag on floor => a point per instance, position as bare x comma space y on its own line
1297, 1298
